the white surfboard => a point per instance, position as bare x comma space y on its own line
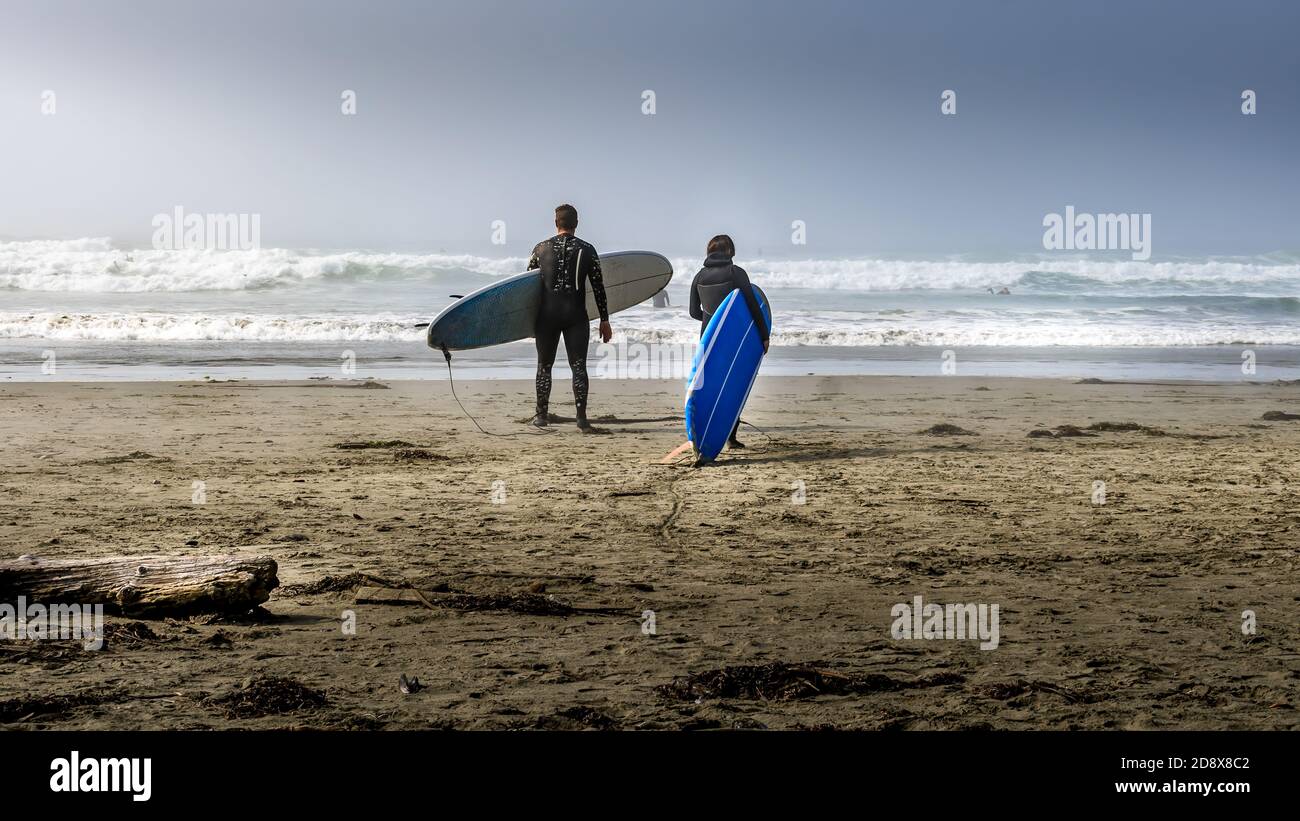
505, 311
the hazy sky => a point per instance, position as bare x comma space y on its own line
767, 112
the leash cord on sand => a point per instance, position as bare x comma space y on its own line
452, 381
769, 441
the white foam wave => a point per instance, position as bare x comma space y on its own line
904, 275
1008, 336
793, 329
1044, 328
121, 327
95, 266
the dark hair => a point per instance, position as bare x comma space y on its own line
566, 217
722, 244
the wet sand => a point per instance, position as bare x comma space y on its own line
542, 552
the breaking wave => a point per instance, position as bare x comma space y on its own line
792, 329
95, 265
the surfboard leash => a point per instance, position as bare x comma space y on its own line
451, 380
767, 436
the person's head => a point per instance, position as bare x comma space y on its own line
566, 218
722, 244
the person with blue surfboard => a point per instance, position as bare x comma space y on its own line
566, 265
719, 277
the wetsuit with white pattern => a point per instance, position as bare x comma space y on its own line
566, 265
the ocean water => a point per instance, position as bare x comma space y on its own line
109, 312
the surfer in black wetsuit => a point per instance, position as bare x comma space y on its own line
566, 265
718, 278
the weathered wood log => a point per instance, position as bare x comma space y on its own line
144, 586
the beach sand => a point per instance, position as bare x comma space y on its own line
1125, 614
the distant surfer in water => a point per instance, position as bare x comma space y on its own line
566, 265
718, 278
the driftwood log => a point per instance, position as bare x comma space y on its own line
144, 586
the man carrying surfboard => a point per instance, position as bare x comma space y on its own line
715, 281
566, 264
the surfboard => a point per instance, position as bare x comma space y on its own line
723, 372
506, 310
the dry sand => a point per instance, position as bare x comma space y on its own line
1121, 615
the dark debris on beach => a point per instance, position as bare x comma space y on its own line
334, 584
374, 444
268, 695
533, 604
56, 706
780, 681
946, 429
419, 454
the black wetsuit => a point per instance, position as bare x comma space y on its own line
715, 280
566, 265
718, 278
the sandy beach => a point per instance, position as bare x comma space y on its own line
547, 551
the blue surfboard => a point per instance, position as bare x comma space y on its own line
725, 366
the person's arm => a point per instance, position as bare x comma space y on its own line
755, 310
696, 311
597, 280
535, 261
598, 291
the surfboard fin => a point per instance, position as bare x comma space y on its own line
675, 454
